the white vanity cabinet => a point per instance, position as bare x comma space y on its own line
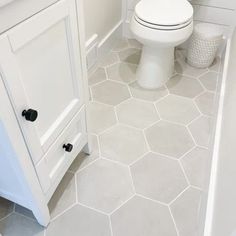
42, 67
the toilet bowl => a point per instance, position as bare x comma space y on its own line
160, 25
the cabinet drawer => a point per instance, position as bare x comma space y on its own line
57, 160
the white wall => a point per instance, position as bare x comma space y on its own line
101, 16
221, 12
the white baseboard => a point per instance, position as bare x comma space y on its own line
108, 42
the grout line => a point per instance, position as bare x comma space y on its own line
173, 219
183, 170
110, 225
171, 202
123, 203
138, 159
3, 218
62, 212
153, 200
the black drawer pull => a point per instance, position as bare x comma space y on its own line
68, 147
30, 115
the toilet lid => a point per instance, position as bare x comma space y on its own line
164, 12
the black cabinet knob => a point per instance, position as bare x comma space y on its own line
30, 115
68, 147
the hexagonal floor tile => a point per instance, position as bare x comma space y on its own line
104, 185
64, 196
133, 43
177, 109
16, 225
98, 76
142, 217
182, 67
201, 130
137, 113
84, 159
205, 102
158, 177
123, 144
123, 72
109, 59
186, 212
79, 220
145, 94
131, 55
101, 117
196, 165
6, 207
110, 92
209, 80
184, 86
169, 139
121, 45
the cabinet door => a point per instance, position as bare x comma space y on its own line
41, 67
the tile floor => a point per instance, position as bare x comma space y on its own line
147, 173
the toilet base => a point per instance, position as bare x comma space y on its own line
156, 67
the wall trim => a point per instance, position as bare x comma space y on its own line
107, 43
110, 39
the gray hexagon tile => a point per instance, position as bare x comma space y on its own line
158, 177
148, 95
121, 45
110, 92
137, 113
79, 220
104, 185
177, 109
64, 196
209, 80
122, 72
98, 76
131, 55
186, 212
184, 86
101, 117
169, 139
83, 159
196, 165
6, 207
182, 67
16, 225
142, 217
201, 130
123, 144
133, 43
205, 102
109, 59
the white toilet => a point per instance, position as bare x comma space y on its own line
160, 25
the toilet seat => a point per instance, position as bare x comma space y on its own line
164, 14
162, 27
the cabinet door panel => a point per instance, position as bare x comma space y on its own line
45, 73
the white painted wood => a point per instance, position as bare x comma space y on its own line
43, 66
18, 180
16, 11
43, 71
57, 160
